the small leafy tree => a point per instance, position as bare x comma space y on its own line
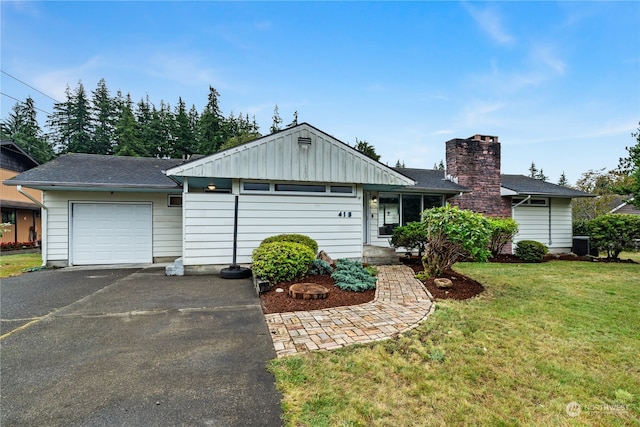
454, 234
502, 232
614, 233
412, 236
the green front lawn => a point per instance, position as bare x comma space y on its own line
12, 265
540, 337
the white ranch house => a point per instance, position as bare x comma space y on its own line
111, 210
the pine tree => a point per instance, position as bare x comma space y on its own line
367, 149
563, 180
533, 170
399, 164
127, 142
277, 121
22, 128
104, 119
59, 123
184, 143
211, 126
80, 122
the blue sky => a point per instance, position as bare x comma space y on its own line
558, 82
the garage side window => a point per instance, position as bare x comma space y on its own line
174, 200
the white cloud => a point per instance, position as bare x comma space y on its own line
55, 82
490, 22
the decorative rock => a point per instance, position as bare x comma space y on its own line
443, 283
324, 257
308, 291
279, 290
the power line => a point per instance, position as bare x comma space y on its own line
29, 86
22, 102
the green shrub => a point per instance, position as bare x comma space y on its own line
352, 276
502, 232
531, 251
581, 227
454, 234
295, 238
319, 267
412, 236
614, 233
281, 261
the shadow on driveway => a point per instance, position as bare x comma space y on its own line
134, 347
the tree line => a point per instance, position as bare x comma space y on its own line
98, 123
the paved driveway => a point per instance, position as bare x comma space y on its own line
132, 347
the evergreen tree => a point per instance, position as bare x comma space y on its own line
80, 122
399, 164
104, 119
277, 121
184, 142
127, 141
211, 126
439, 166
563, 180
59, 123
533, 171
294, 122
22, 128
367, 149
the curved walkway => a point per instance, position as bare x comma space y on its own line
400, 304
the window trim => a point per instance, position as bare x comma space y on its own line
400, 195
273, 189
171, 197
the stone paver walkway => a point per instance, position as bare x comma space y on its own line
400, 304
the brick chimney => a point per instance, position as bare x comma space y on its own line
475, 163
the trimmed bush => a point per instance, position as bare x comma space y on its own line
412, 236
502, 232
352, 276
281, 261
531, 251
295, 238
453, 235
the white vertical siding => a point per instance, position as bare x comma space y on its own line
541, 223
208, 225
167, 222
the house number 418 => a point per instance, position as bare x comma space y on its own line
344, 214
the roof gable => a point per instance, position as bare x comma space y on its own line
14, 158
301, 153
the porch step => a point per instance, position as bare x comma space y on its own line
377, 255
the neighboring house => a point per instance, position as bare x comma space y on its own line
19, 212
624, 207
105, 209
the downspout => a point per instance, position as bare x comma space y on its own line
550, 241
513, 210
43, 222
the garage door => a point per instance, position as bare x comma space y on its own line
111, 233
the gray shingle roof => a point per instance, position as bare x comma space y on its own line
94, 170
431, 180
524, 185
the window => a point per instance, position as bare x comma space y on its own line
400, 209
289, 188
255, 186
523, 201
301, 188
174, 200
8, 217
342, 189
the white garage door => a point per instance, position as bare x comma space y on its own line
111, 233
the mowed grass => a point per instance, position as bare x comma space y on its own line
12, 265
540, 337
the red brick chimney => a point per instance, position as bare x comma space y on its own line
475, 163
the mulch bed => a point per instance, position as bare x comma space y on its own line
281, 302
463, 287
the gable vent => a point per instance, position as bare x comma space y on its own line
304, 140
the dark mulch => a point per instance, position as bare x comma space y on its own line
463, 287
281, 302
508, 259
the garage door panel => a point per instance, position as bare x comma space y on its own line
110, 233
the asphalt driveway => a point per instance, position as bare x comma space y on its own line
129, 347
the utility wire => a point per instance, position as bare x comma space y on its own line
22, 102
29, 86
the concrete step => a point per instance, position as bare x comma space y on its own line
377, 255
